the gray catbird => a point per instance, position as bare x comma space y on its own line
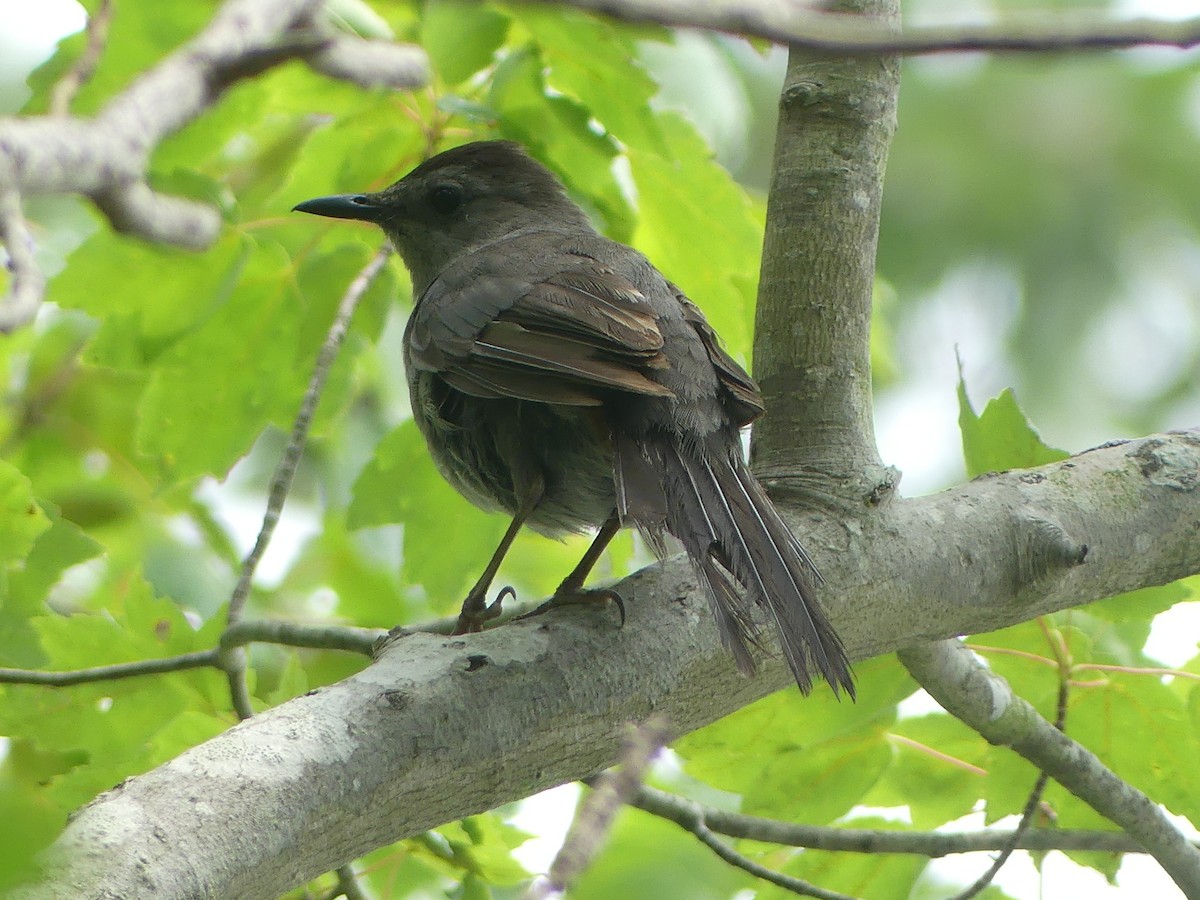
558, 376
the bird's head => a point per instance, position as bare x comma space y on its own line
457, 201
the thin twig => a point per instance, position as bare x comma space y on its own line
795, 885
197, 660
28, 284
285, 470
289, 634
612, 790
937, 754
691, 817
81, 70
292, 634
932, 844
804, 26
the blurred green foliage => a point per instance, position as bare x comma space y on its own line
144, 412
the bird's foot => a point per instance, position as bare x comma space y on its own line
476, 611
567, 595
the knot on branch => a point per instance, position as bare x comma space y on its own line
1043, 548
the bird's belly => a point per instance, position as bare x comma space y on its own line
493, 451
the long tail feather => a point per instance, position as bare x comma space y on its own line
727, 524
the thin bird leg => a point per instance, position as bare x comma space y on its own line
571, 590
475, 609
573, 582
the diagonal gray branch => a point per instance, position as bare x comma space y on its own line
443, 727
985, 702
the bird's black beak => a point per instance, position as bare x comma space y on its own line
343, 206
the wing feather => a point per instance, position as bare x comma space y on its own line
583, 324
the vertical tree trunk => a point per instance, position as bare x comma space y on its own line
812, 334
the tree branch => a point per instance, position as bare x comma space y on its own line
933, 844
234, 658
443, 727
696, 825
81, 70
198, 660
836, 119
806, 27
288, 634
105, 158
28, 286
984, 701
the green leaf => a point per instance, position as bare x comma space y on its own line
1145, 603
401, 484
461, 38
56, 549
367, 587
595, 63
1001, 438
28, 822
936, 771
21, 518
557, 130
810, 759
153, 294
482, 845
110, 728
700, 229
213, 391
646, 858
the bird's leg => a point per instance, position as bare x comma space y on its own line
571, 590
475, 609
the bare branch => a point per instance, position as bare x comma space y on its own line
933, 844
806, 27
134, 208
291, 634
696, 825
371, 64
105, 158
285, 471
234, 659
1035, 796
984, 701
81, 70
28, 284
196, 660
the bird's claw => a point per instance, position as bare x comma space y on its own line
577, 596
475, 612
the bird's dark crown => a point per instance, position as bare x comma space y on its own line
499, 168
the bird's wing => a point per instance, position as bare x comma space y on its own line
742, 398
573, 334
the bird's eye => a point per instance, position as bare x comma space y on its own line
446, 198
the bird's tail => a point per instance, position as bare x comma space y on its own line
728, 526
